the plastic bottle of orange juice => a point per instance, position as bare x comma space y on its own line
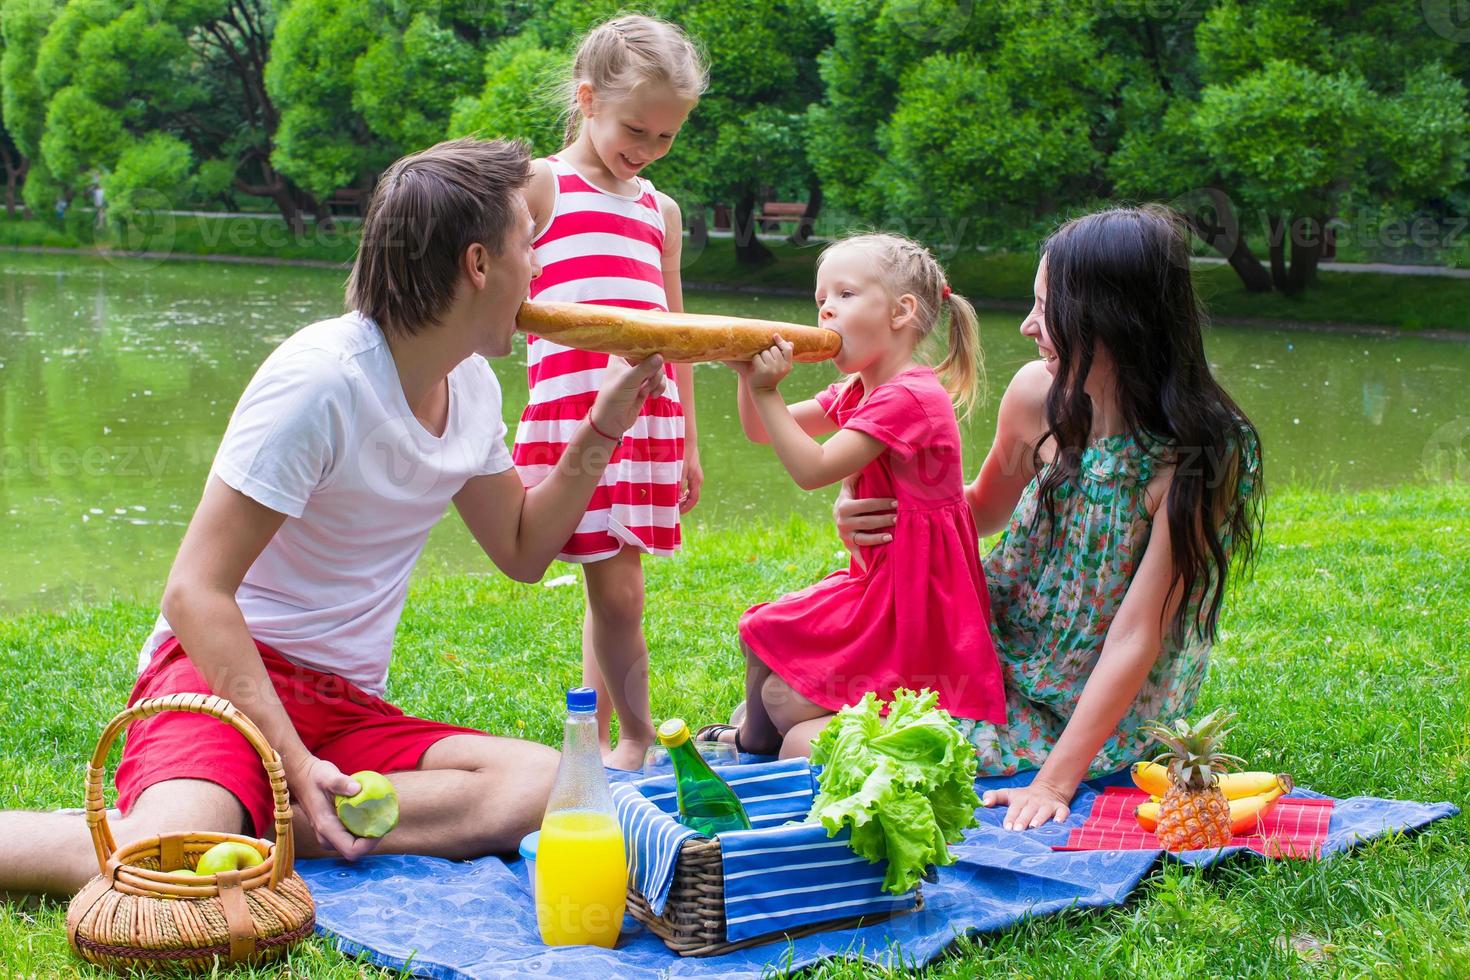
581, 869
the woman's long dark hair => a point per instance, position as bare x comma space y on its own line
1119, 280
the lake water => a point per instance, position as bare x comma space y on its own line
117, 379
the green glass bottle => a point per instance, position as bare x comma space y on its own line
706, 802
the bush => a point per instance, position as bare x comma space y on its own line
150, 175
517, 102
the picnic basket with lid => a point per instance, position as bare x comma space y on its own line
135, 914
693, 922
783, 878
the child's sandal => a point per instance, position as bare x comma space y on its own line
712, 733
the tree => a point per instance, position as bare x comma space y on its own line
859, 89
233, 38
160, 160
742, 153
321, 142
985, 121
14, 161
84, 61
516, 102
748, 134
406, 84
988, 143
16, 166
361, 83
163, 98
1290, 115
874, 44
744, 137
963, 122
23, 25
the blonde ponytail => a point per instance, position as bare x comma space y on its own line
962, 372
904, 266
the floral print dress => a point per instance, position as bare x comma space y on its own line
1052, 602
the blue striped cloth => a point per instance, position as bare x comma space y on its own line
652, 842
784, 878
777, 877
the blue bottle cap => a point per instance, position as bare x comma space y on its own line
582, 699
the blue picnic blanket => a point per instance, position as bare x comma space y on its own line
473, 920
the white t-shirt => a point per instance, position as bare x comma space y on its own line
324, 435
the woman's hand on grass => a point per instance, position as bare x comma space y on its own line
1030, 806
316, 784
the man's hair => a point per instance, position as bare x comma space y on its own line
426, 210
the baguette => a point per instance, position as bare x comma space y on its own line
681, 337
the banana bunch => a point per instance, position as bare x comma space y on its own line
1250, 794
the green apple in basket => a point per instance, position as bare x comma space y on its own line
374, 810
230, 855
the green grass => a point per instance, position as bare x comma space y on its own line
1345, 656
1371, 299
1374, 299
34, 233
198, 235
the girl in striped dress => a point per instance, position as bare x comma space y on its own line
605, 236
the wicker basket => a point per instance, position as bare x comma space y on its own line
693, 923
135, 914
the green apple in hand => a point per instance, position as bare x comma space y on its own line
374, 810
228, 856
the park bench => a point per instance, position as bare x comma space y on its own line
768, 216
346, 202
773, 214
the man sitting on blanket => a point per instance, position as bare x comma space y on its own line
345, 449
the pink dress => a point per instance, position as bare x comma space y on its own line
918, 615
603, 248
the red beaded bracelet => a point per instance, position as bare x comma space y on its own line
600, 432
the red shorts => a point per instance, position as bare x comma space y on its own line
337, 721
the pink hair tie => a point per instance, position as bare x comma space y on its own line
945, 294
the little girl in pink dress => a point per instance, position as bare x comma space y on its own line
913, 613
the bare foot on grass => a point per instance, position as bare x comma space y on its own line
628, 755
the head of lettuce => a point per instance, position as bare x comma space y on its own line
903, 782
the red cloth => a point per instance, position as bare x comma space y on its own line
337, 721
1295, 827
918, 614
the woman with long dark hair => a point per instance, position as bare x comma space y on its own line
1127, 482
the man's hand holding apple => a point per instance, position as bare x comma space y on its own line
316, 784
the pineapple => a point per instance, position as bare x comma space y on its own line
1194, 813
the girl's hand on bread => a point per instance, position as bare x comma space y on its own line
770, 366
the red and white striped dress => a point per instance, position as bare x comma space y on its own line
603, 248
